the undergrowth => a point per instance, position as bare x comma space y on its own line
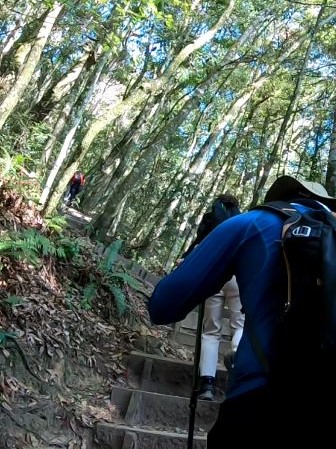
34, 248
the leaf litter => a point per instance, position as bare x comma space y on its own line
59, 360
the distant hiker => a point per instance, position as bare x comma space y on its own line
76, 183
257, 409
224, 207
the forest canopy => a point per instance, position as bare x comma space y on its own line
164, 105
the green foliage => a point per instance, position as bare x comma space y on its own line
70, 247
126, 278
56, 224
41, 244
19, 248
114, 276
14, 300
10, 165
111, 254
89, 293
5, 336
119, 297
13, 171
38, 136
31, 245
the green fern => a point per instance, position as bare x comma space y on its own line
67, 248
56, 224
115, 276
7, 164
4, 336
89, 229
128, 279
111, 255
89, 293
19, 249
39, 243
31, 245
119, 297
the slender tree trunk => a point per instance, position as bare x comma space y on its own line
103, 220
13, 97
314, 172
64, 152
176, 248
278, 144
18, 23
82, 79
157, 229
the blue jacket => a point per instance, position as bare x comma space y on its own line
249, 247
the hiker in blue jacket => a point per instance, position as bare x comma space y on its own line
249, 247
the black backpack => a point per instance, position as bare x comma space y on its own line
306, 335
220, 211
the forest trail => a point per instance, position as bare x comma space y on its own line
75, 373
153, 409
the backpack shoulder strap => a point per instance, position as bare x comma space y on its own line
281, 207
286, 210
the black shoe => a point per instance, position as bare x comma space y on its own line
207, 388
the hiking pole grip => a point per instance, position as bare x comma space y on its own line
194, 392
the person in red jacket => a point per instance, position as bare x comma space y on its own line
76, 183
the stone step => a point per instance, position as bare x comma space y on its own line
149, 372
119, 436
141, 408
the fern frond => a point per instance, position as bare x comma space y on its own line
111, 255
19, 249
6, 163
71, 248
39, 242
119, 297
128, 279
60, 252
4, 336
89, 293
57, 223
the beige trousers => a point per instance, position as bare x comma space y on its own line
212, 325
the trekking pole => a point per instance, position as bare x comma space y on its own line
194, 392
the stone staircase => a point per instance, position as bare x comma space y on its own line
154, 409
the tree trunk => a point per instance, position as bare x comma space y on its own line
176, 248
66, 109
64, 152
104, 219
278, 144
158, 227
14, 95
18, 23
